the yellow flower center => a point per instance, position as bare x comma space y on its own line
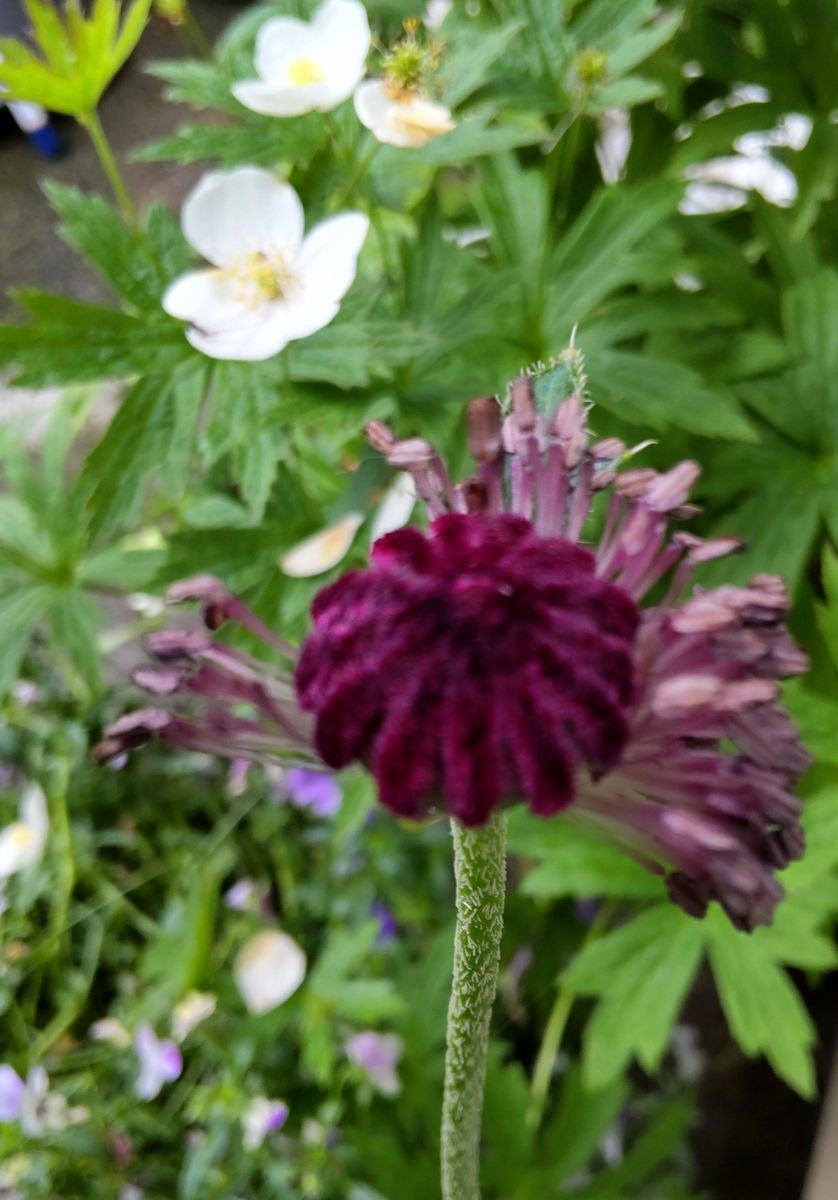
20, 835
260, 277
305, 70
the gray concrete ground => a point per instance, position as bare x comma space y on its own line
133, 112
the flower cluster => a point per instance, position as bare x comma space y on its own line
495, 658
314, 66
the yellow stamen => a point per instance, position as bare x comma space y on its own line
258, 278
305, 70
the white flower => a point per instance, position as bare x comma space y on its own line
791, 132
269, 968
262, 1117
435, 13
733, 177
269, 285
108, 1029
43, 1111
194, 1008
307, 66
614, 142
408, 121
159, 1062
22, 843
323, 550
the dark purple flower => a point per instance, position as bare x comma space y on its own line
387, 925
493, 659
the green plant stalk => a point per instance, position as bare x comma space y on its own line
102, 146
556, 1024
480, 873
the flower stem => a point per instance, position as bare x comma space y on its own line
480, 872
548, 1051
102, 146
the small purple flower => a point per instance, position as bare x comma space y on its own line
317, 791
377, 1055
387, 926
12, 1089
160, 1062
262, 1117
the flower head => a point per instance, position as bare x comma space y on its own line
31, 1103
22, 843
269, 968
261, 1117
194, 1008
407, 120
494, 658
397, 107
269, 285
377, 1055
317, 791
306, 66
12, 1088
160, 1062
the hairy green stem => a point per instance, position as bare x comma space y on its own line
480, 872
93, 125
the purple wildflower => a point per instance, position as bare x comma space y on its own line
387, 925
159, 1062
494, 658
377, 1055
318, 791
12, 1089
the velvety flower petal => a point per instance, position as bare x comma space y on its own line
243, 211
207, 298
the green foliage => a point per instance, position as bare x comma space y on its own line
80, 54
492, 248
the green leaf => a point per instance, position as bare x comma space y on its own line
583, 1116
126, 461
81, 54
641, 973
98, 232
75, 621
71, 342
21, 611
763, 1009
573, 861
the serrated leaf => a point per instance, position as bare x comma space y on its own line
21, 611
762, 1006
97, 231
641, 972
574, 862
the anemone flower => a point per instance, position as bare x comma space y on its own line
407, 119
268, 284
308, 66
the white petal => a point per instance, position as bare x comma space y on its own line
328, 257
207, 298
342, 26
701, 198
612, 148
404, 123
192, 1009
395, 508
33, 812
280, 41
775, 182
245, 210
244, 343
282, 99
269, 969
323, 550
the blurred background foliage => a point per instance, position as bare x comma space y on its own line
713, 333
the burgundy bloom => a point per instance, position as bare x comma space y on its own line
493, 658
476, 663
